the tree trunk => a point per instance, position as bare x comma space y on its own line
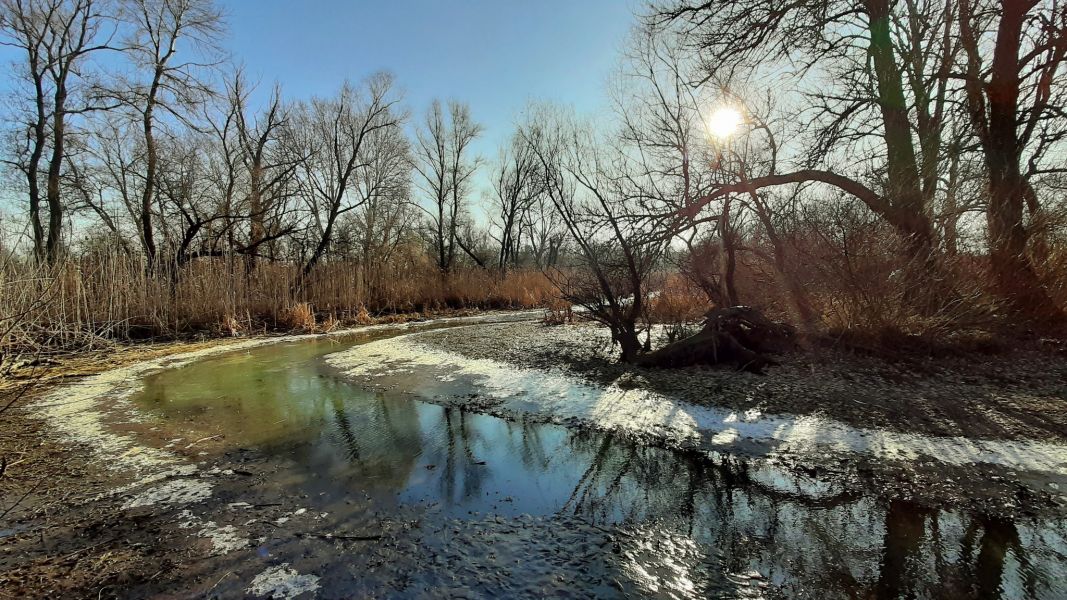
256, 229
626, 336
33, 172
728, 257
147, 235
1014, 274
739, 335
906, 210
55, 168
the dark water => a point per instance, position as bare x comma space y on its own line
720, 531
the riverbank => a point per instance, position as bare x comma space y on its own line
804, 421
1021, 395
194, 501
89, 494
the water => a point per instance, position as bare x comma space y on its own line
672, 525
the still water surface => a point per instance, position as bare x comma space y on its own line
742, 531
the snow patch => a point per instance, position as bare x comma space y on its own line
224, 539
561, 396
177, 491
282, 582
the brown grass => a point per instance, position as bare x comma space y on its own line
91, 301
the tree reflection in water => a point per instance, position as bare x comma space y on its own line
703, 524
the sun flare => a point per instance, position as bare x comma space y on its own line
724, 122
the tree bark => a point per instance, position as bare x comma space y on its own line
147, 236
55, 171
1015, 277
629, 344
33, 168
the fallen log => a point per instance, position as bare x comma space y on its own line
738, 335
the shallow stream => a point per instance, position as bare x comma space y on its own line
515, 507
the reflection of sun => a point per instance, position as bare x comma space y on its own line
724, 122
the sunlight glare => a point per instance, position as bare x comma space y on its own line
724, 122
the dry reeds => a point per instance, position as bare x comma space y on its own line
99, 298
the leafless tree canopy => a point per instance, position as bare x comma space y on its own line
894, 163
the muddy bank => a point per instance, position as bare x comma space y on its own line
256, 536
1006, 396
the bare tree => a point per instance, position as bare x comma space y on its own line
340, 138
1015, 108
846, 63
269, 171
57, 37
443, 161
585, 179
163, 29
516, 187
544, 231
385, 215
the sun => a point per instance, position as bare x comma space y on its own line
724, 122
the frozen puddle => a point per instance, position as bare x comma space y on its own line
563, 397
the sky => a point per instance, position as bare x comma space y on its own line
494, 55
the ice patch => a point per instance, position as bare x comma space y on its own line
224, 539
561, 396
282, 582
177, 491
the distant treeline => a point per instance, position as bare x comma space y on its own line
894, 165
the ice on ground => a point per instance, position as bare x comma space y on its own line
177, 491
561, 396
283, 583
224, 539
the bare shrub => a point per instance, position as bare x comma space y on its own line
558, 312
363, 317
677, 303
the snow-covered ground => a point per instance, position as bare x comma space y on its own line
557, 395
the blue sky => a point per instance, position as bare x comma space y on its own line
494, 55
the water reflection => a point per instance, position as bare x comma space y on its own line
736, 524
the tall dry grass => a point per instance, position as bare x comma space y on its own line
100, 298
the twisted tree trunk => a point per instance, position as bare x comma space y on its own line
737, 335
